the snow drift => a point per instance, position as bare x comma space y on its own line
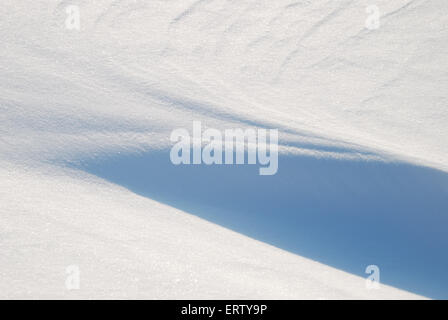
85, 172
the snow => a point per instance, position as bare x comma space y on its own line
85, 174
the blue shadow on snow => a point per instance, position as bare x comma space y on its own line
346, 214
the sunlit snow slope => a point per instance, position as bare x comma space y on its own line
85, 174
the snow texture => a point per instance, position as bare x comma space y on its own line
85, 175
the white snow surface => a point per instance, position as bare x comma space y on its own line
139, 69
